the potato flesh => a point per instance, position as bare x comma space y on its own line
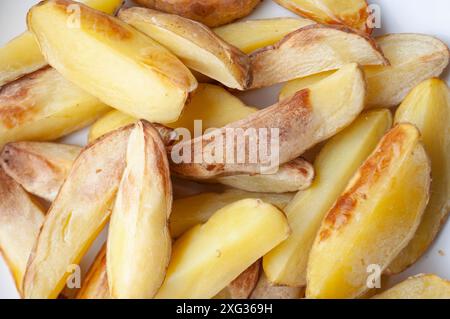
243, 285
140, 219
157, 83
335, 165
374, 219
95, 285
208, 257
251, 35
44, 106
266, 290
428, 108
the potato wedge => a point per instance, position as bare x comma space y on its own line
354, 13
157, 83
44, 106
77, 215
39, 167
428, 108
209, 256
193, 210
418, 287
251, 35
374, 219
21, 219
266, 290
286, 264
413, 57
311, 50
243, 285
140, 219
22, 55
209, 12
311, 116
196, 45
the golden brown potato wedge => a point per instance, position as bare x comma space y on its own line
266, 290
196, 45
140, 219
21, 218
418, 287
78, 214
428, 108
311, 50
352, 13
251, 35
209, 256
311, 116
243, 285
374, 219
44, 106
413, 57
209, 12
336, 163
39, 167
22, 54
95, 285
157, 83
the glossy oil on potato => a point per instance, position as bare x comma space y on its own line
195, 44
209, 256
374, 218
157, 83
413, 58
428, 108
336, 163
140, 219
79, 212
44, 106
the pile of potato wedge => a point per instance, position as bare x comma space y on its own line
363, 180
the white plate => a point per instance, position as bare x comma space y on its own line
430, 17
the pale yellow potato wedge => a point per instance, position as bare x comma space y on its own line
44, 106
335, 165
251, 35
21, 218
140, 219
78, 214
109, 122
156, 84
22, 54
422, 286
428, 108
243, 285
95, 284
311, 50
209, 256
352, 13
374, 218
413, 58
308, 118
195, 44
193, 210
266, 290
39, 167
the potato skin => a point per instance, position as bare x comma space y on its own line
212, 13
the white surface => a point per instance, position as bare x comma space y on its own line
430, 16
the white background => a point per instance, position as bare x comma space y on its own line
417, 16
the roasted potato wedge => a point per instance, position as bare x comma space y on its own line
354, 13
157, 83
428, 108
374, 219
39, 167
78, 214
413, 57
266, 290
311, 50
22, 54
251, 35
310, 117
196, 45
95, 284
44, 106
209, 256
336, 163
21, 218
140, 219
418, 287
209, 12
243, 285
